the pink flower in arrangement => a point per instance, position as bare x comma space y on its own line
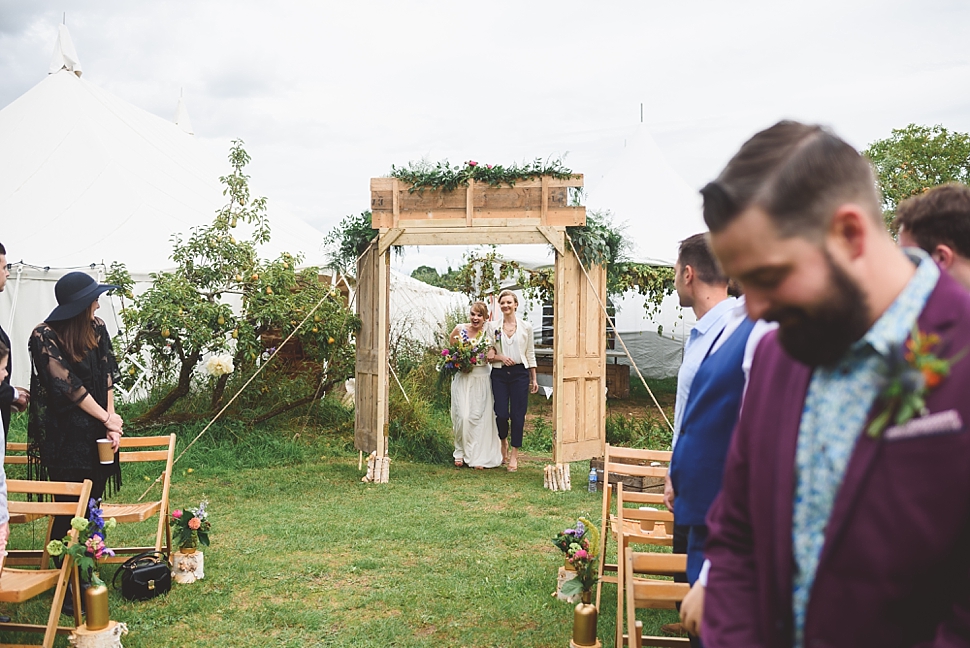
194, 524
488, 166
581, 555
472, 163
177, 514
444, 352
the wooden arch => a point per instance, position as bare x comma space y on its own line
535, 211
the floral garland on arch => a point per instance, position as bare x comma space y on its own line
444, 177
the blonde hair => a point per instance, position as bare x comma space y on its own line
480, 307
508, 293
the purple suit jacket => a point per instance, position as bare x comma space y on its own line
895, 566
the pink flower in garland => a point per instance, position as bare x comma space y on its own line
472, 163
177, 514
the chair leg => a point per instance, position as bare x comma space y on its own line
620, 588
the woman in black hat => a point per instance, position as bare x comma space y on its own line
72, 398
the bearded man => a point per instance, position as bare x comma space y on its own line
844, 516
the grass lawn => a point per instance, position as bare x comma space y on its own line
307, 555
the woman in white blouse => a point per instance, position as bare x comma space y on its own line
513, 376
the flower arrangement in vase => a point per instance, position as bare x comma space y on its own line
190, 527
580, 546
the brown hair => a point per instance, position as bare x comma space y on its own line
695, 252
75, 335
480, 307
508, 293
4, 351
798, 174
940, 216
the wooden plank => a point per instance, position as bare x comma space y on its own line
544, 213
545, 199
556, 237
472, 236
387, 238
395, 203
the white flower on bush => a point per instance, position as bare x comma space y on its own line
219, 365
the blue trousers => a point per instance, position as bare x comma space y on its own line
510, 388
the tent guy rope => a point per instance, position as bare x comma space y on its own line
251, 378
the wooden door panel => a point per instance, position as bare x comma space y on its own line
371, 388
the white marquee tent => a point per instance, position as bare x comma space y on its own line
87, 179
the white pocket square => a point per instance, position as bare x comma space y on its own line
936, 423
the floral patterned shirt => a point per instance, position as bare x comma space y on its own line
836, 408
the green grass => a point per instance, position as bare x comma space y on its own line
304, 554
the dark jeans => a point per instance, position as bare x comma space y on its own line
510, 388
62, 523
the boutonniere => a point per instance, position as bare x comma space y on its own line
913, 371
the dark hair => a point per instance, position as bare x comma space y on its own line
796, 173
3, 250
4, 351
76, 335
940, 216
696, 252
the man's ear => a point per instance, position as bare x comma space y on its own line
688, 274
849, 230
943, 255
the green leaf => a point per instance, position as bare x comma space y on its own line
571, 587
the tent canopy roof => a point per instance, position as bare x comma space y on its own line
86, 178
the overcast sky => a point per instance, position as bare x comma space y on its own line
329, 94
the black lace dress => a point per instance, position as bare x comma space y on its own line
62, 438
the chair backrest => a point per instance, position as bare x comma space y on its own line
16, 454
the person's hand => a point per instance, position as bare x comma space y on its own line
669, 493
535, 387
507, 361
115, 437
23, 400
692, 609
4, 534
114, 423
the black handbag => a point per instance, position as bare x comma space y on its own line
144, 576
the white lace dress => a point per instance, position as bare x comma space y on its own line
473, 418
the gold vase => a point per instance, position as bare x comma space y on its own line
568, 565
189, 547
96, 604
584, 622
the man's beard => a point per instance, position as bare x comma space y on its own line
822, 337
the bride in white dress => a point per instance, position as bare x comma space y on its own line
472, 414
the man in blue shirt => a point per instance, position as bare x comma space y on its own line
701, 286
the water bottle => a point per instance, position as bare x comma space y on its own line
592, 480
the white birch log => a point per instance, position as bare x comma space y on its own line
188, 567
109, 637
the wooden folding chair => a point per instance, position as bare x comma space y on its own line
620, 463
140, 449
16, 455
651, 593
642, 526
19, 585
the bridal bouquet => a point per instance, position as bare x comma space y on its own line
463, 355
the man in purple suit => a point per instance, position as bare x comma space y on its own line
844, 516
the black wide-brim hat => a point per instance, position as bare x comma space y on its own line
75, 292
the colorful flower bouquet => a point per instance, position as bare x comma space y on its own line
190, 527
90, 546
580, 545
463, 355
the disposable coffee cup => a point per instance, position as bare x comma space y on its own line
105, 452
